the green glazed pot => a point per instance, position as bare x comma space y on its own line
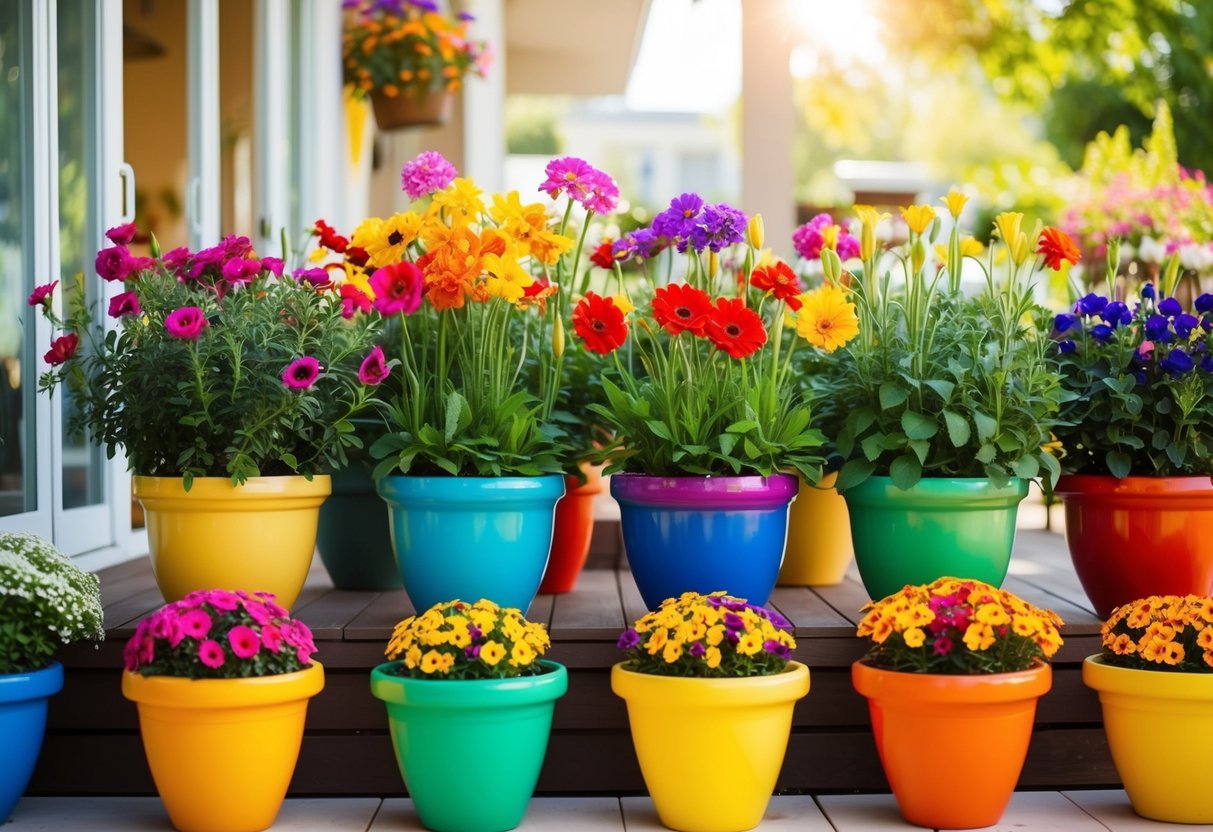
963, 528
440, 727
353, 536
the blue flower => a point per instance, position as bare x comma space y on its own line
1140, 375
1177, 362
1067, 346
1147, 290
1101, 332
1184, 324
1169, 307
1157, 328
1092, 304
1206, 363
1065, 322
1116, 314
1204, 303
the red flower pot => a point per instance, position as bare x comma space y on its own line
1139, 536
573, 529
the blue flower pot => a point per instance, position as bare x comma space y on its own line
471, 537
704, 534
23, 699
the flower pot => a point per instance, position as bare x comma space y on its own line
422, 108
352, 539
471, 537
441, 727
572, 531
257, 536
710, 750
1110, 523
1146, 711
941, 526
23, 699
920, 720
819, 536
222, 751
704, 534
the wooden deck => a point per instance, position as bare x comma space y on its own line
346, 750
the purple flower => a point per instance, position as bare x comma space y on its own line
603, 195
233, 246
113, 263
1206, 363
719, 226
176, 261
1169, 307
1117, 314
240, 270
424, 5
273, 265
943, 646
777, 619
467, 16
582, 182
1092, 304
1066, 346
678, 221
374, 370
776, 648
1204, 303
317, 277
629, 640
1101, 332
301, 373
1065, 322
696, 650
126, 303
428, 173
1184, 324
733, 621
186, 322
1157, 328
1177, 362
641, 244
1147, 290
472, 651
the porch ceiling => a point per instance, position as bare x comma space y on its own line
572, 47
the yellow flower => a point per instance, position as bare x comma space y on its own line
387, 241
955, 201
1008, 224
826, 320
750, 644
1205, 639
491, 652
918, 217
504, 278
829, 237
522, 654
971, 247
712, 657
672, 652
978, 636
431, 662
869, 218
755, 231
1123, 645
412, 658
715, 635
460, 200
657, 641
914, 637
623, 303
992, 614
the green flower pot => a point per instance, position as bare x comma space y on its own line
353, 536
443, 731
958, 527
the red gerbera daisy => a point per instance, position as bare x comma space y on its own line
780, 281
736, 329
681, 308
1056, 246
600, 324
603, 257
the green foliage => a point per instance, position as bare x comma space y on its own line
45, 601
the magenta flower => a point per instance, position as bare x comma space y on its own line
186, 322
195, 624
428, 173
122, 235
301, 373
126, 303
317, 277
210, 653
398, 288
42, 294
177, 262
113, 263
223, 600
585, 184
244, 641
273, 265
943, 646
241, 270
353, 301
807, 239
271, 637
373, 370
257, 611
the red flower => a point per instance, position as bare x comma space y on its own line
600, 324
603, 257
1056, 246
736, 329
62, 348
679, 308
330, 239
780, 281
42, 294
353, 300
357, 256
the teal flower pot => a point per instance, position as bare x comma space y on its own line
23, 700
441, 728
958, 527
472, 537
352, 537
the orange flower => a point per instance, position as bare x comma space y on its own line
1056, 246
451, 269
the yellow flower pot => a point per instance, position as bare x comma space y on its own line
222, 751
710, 750
257, 536
1160, 730
819, 546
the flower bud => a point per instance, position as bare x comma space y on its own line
713, 264
558, 337
756, 231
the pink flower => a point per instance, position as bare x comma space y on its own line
240, 270
373, 369
943, 646
352, 301
428, 173
301, 373
196, 624
316, 276
126, 303
271, 637
257, 611
221, 599
122, 235
42, 294
273, 265
398, 288
244, 641
583, 183
113, 263
210, 653
186, 322
62, 348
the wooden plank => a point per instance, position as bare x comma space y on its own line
847, 598
379, 618
807, 611
634, 607
328, 615
594, 606
118, 582
540, 610
1112, 808
862, 812
787, 813
1079, 620
1045, 812
121, 618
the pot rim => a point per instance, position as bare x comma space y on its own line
218, 488
705, 492
31, 684
459, 694
1153, 684
422, 490
905, 686
1085, 485
942, 492
789, 685
208, 694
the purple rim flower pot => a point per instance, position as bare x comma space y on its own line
704, 534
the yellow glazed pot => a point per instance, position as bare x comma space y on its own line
222, 751
710, 750
1160, 730
819, 546
257, 536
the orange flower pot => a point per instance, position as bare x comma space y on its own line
574, 527
952, 747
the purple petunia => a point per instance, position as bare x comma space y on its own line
733, 621
1091, 304
1177, 362
316, 276
1170, 307
426, 174
1204, 303
186, 323
1184, 324
678, 221
1157, 328
301, 373
1116, 314
113, 263
241, 270
629, 639
777, 649
1101, 332
1066, 346
1064, 322
696, 650
719, 226
641, 244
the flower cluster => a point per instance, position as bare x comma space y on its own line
954, 625
458, 640
45, 601
688, 223
217, 634
222, 364
822, 232
390, 47
1162, 632
1141, 385
713, 635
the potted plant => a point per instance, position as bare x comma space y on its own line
408, 59
710, 686
45, 601
221, 670
231, 388
1138, 439
954, 658
706, 412
469, 676
1154, 677
949, 400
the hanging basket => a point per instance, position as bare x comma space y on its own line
428, 108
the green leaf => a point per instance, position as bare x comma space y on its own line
1052, 466
873, 446
453, 402
918, 426
1026, 467
289, 459
1119, 464
892, 395
986, 453
1177, 454
727, 442
921, 449
987, 426
905, 471
958, 428
743, 426
659, 429
943, 388
853, 473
